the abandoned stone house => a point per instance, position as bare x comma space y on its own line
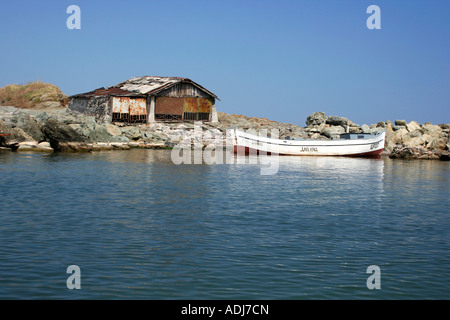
148, 99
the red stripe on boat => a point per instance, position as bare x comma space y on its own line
247, 151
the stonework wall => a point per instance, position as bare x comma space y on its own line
98, 107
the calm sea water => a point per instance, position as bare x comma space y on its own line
140, 227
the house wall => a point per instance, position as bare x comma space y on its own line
98, 107
78, 104
183, 101
129, 109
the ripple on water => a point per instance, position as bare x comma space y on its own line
140, 227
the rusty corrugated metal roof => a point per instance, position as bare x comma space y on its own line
153, 85
107, 91
140, 86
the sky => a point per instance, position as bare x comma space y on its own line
281, 60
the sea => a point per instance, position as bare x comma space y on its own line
135, 225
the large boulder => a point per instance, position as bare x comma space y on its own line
432, 130
15, 137
365, 128
439, 143
61, 136
376, 130
102, 134
401, 135
413, 140
99, 134
338, 121
28, 124
155, 136
35, 146
389, 125
333, 132
133, 133
316, 119
401, 123
81, 129
356, 129
390, 140
72, 117
404, 152
113, 129
413, 126
315, 128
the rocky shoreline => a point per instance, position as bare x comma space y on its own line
60, 129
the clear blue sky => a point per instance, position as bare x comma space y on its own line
280, 60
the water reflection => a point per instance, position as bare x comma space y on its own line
141, 227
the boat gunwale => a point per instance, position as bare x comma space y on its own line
379, 137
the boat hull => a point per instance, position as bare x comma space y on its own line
249, 151
249, 144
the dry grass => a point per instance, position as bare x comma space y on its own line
31, 95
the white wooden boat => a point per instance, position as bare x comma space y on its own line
354, 145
